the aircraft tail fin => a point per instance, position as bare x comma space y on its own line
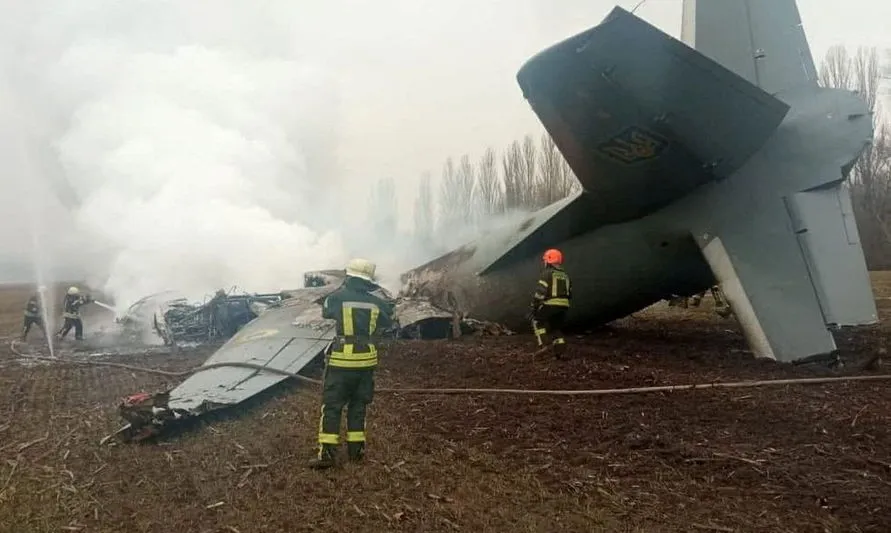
761, 40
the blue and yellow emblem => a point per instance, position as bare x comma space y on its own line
634, 145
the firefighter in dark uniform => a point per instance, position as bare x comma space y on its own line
71, 313
32, 317
349, 370
550, 303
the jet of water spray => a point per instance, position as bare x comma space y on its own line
106, 306
40, 267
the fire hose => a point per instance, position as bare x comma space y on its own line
412, 390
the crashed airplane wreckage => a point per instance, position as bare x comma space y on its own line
286, 335
716, 162
719, 161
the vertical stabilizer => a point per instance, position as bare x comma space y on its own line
761, 40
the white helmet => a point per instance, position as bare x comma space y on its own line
361, 268
73, 290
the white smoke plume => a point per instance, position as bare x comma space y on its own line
196, 141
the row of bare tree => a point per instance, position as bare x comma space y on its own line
870, 179
529, 175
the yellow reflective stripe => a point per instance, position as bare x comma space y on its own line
559, 340
348, 328
347, 363
350, 359
558, 276
558, 302
372, 324
70, 315
541, 331
348, 352
543, 283
329, 438
355, 436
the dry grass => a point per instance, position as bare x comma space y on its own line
787, 459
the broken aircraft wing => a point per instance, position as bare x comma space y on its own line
275, 339
285, 337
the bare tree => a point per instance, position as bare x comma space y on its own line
384, 207
449, 195
490, 196
423, 215
836, 68
871, 176
466, 178
512, 167
529, 175
555, 177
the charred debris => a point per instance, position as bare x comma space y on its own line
180, 322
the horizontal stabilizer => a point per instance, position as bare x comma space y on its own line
642, 118
555, 223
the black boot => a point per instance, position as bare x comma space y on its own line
356, 450
325, 459
559, 350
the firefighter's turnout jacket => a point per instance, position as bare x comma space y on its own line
32, 316
72, 304
349, 374
550, 304
32, 308
360, 315
554, 288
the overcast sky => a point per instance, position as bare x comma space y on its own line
456, 92
412, 81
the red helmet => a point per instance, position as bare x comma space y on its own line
553, 257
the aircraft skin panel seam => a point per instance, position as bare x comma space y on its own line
752, 49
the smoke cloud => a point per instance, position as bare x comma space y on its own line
196, 144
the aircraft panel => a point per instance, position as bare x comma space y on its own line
826, 230
275, 339
761, 40
643, 119
765, 277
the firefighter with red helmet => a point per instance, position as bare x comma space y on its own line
550, 303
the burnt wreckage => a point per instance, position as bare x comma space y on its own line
179, 322
272, 334
697, 167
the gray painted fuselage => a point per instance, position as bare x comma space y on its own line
746, 187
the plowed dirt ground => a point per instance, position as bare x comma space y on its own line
791, 458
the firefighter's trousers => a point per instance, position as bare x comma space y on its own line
352, 388
31, 321
75, 323
547, 324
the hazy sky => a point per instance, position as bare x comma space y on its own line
451, 89
125, 99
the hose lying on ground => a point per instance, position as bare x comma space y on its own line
410, 390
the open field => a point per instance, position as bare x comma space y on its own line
794, 458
